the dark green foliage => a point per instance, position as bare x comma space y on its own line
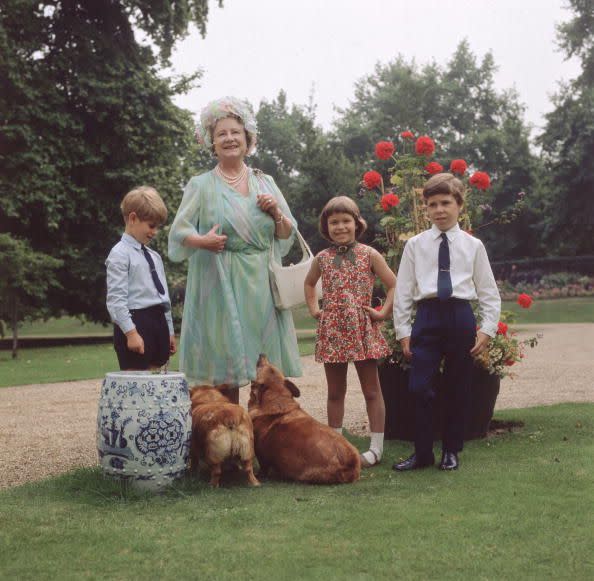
308, 166
27, 278
568, 143
85, 118
459, 107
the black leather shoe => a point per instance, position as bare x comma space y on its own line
449, 461
413, 463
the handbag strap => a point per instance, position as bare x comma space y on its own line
305, 249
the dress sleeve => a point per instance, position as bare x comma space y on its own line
185, 222
284, 245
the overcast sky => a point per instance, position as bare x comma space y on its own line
255, 48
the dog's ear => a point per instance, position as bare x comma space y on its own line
256, 390
225, 390
292, 388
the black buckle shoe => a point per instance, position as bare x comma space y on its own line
449, 461
413, 463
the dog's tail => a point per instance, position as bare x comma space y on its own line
240, 431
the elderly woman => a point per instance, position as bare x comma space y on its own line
227, 221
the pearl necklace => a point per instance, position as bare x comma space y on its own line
232, 181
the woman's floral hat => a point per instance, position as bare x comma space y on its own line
221, 108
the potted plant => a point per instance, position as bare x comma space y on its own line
401, 206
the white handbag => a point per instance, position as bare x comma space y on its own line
286, 282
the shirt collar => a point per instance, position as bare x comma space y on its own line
451, 233
131, 241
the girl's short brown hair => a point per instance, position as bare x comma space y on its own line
444, 183
146, 203
337, 205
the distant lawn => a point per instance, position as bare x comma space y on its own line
63, 327
47, 365
571, 310
520, 507
69, 363
574, 310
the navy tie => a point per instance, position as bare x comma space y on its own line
151, 264
444, 281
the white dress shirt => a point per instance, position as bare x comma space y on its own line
130, 285
470, 271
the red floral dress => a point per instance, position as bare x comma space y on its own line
345, 330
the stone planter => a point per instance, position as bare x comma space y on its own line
400, 405
144, 427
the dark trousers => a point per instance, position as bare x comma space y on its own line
151, 324
442, 329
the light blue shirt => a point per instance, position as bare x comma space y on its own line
130, 285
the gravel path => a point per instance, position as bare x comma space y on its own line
50, 428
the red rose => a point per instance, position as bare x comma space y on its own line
384, 149
378, 308
524, 301
389, 201
425, 146
407, 135
501, 328
510, 362
480, 180
372, 179
469, 231
458, 166
433, 168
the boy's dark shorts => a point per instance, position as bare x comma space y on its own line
152, 327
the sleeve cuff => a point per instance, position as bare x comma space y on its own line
403, 331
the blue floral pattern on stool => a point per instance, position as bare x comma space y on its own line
144, 427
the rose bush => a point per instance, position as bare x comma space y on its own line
400, 202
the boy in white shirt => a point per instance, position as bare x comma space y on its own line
442, 270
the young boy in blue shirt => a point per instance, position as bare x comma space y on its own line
137, 296
442, 270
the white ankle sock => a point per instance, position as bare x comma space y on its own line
339, 430
376, 448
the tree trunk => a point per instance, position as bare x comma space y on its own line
15, 331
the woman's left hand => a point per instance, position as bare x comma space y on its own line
268, 204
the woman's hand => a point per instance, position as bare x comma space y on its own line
212, 241
267, 203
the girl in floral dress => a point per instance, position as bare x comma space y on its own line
348, 327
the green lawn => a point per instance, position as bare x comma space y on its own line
46, 365
73, 362
520, 507
572, 310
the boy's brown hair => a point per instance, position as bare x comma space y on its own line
146, 203
337, 205
444, 183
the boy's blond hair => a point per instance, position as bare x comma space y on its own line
146, 203
444, 183
341, 204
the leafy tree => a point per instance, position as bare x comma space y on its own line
27, 278
568, 143
86, 116
307, 165
459, 107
